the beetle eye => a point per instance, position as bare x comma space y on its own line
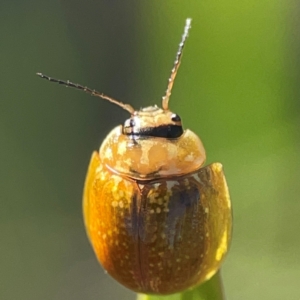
129, 123
132, 123
175, 118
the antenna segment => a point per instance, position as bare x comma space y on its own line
129, 108
68, 83
165, 99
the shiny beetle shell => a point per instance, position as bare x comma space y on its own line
158, 221
161, 236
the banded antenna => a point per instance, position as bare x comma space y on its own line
68, 83
129, 108
165, 99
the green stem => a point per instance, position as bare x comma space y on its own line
210, 290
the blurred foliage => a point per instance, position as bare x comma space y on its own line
237, 88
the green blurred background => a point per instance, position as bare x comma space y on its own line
237, 88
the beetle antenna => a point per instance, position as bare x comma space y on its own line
165, 99
68, 83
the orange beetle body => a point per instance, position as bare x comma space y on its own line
158, 236
158, 221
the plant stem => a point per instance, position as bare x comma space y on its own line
210, 290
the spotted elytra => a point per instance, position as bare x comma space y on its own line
158, 221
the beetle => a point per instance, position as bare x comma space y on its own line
158, 221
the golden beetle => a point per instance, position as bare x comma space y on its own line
158, 221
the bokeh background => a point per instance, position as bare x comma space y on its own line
238, 88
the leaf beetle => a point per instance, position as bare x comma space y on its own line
158, 221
